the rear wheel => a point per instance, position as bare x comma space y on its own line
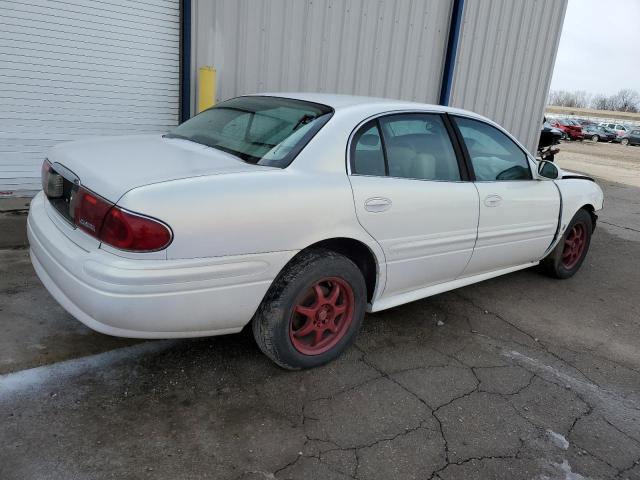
565, 260
312, 312
624, 141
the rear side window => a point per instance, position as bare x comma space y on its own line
418, 146
494, 156
413, 145
367, 156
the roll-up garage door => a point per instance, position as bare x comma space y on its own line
72, 69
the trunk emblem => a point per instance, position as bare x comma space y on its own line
86, 224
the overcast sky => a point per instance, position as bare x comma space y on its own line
600, 47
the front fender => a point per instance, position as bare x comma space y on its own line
576, 192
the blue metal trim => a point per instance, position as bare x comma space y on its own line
185, 60
452, 50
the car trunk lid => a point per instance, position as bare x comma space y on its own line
112, 166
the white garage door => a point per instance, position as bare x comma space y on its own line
71, 69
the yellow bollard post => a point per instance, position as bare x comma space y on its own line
206, 88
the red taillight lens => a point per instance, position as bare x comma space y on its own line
129, 231
90, 210
117, 227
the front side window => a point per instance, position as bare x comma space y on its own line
494, 156
414, 145
267, 131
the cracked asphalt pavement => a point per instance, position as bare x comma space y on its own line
519, 377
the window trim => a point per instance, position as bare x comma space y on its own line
472, 173
462, 164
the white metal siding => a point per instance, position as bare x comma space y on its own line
389, 48
505, 60
71, 69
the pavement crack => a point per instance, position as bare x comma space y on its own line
619, 226
536, 340
437, 420
630, 437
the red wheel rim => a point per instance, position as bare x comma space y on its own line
321, 316
574, 245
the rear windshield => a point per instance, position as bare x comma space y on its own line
267, 131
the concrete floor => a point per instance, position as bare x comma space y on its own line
527, 378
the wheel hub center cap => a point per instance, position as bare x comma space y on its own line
324, 313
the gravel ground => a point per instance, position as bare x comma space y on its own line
609, 161
519, 377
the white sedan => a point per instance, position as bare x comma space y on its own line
297, 213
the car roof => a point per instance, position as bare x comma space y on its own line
343, 102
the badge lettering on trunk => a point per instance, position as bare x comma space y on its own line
86, 224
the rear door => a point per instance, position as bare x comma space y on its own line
518, 214
412, 196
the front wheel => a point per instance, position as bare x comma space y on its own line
624, 141
565, 260
312, 311
595, 138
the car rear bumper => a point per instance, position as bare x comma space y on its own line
148, 298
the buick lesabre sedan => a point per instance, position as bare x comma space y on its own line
297, 213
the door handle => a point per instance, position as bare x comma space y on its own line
377, 204
492, 200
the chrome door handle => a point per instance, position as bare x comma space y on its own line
377, 204
492, 200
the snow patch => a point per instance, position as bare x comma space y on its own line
28, 379
558, 440
562, 471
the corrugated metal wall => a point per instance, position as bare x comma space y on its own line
505, 60
391, 48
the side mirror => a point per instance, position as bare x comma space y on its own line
547, 169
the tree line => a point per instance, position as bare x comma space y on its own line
626, 100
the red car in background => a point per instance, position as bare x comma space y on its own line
571, 129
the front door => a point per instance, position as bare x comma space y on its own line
518, 214
410, 196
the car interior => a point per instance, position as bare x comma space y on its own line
425, 155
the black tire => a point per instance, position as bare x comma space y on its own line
595, 138
273, 320
624, 141
554, 264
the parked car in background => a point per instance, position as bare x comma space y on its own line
597, 133
547, 143
572, 130
631, 138
585, 122
619, 128
296, 213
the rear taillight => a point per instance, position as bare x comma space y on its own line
130, 231
90, 210
52, 183
117, 227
